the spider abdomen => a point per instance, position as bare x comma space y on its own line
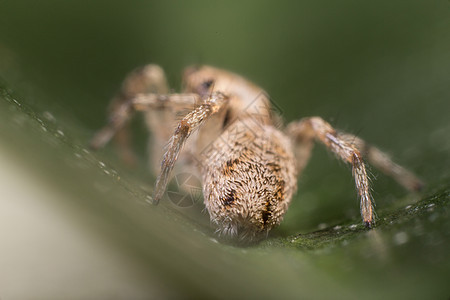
248, 179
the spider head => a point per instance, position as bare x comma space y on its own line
201, 79
204, 80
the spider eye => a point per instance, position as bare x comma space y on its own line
207, 84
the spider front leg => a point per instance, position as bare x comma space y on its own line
191, 122
304, 132
146, 79
142, 102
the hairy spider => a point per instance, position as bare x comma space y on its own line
248, 166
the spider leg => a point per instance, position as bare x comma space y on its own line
144, 89
146, 79
382, 161
350, 149
191, 122
304, 132
119, 117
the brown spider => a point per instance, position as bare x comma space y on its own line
248, 166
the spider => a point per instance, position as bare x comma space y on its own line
230, 138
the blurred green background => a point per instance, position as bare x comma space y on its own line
377, 69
